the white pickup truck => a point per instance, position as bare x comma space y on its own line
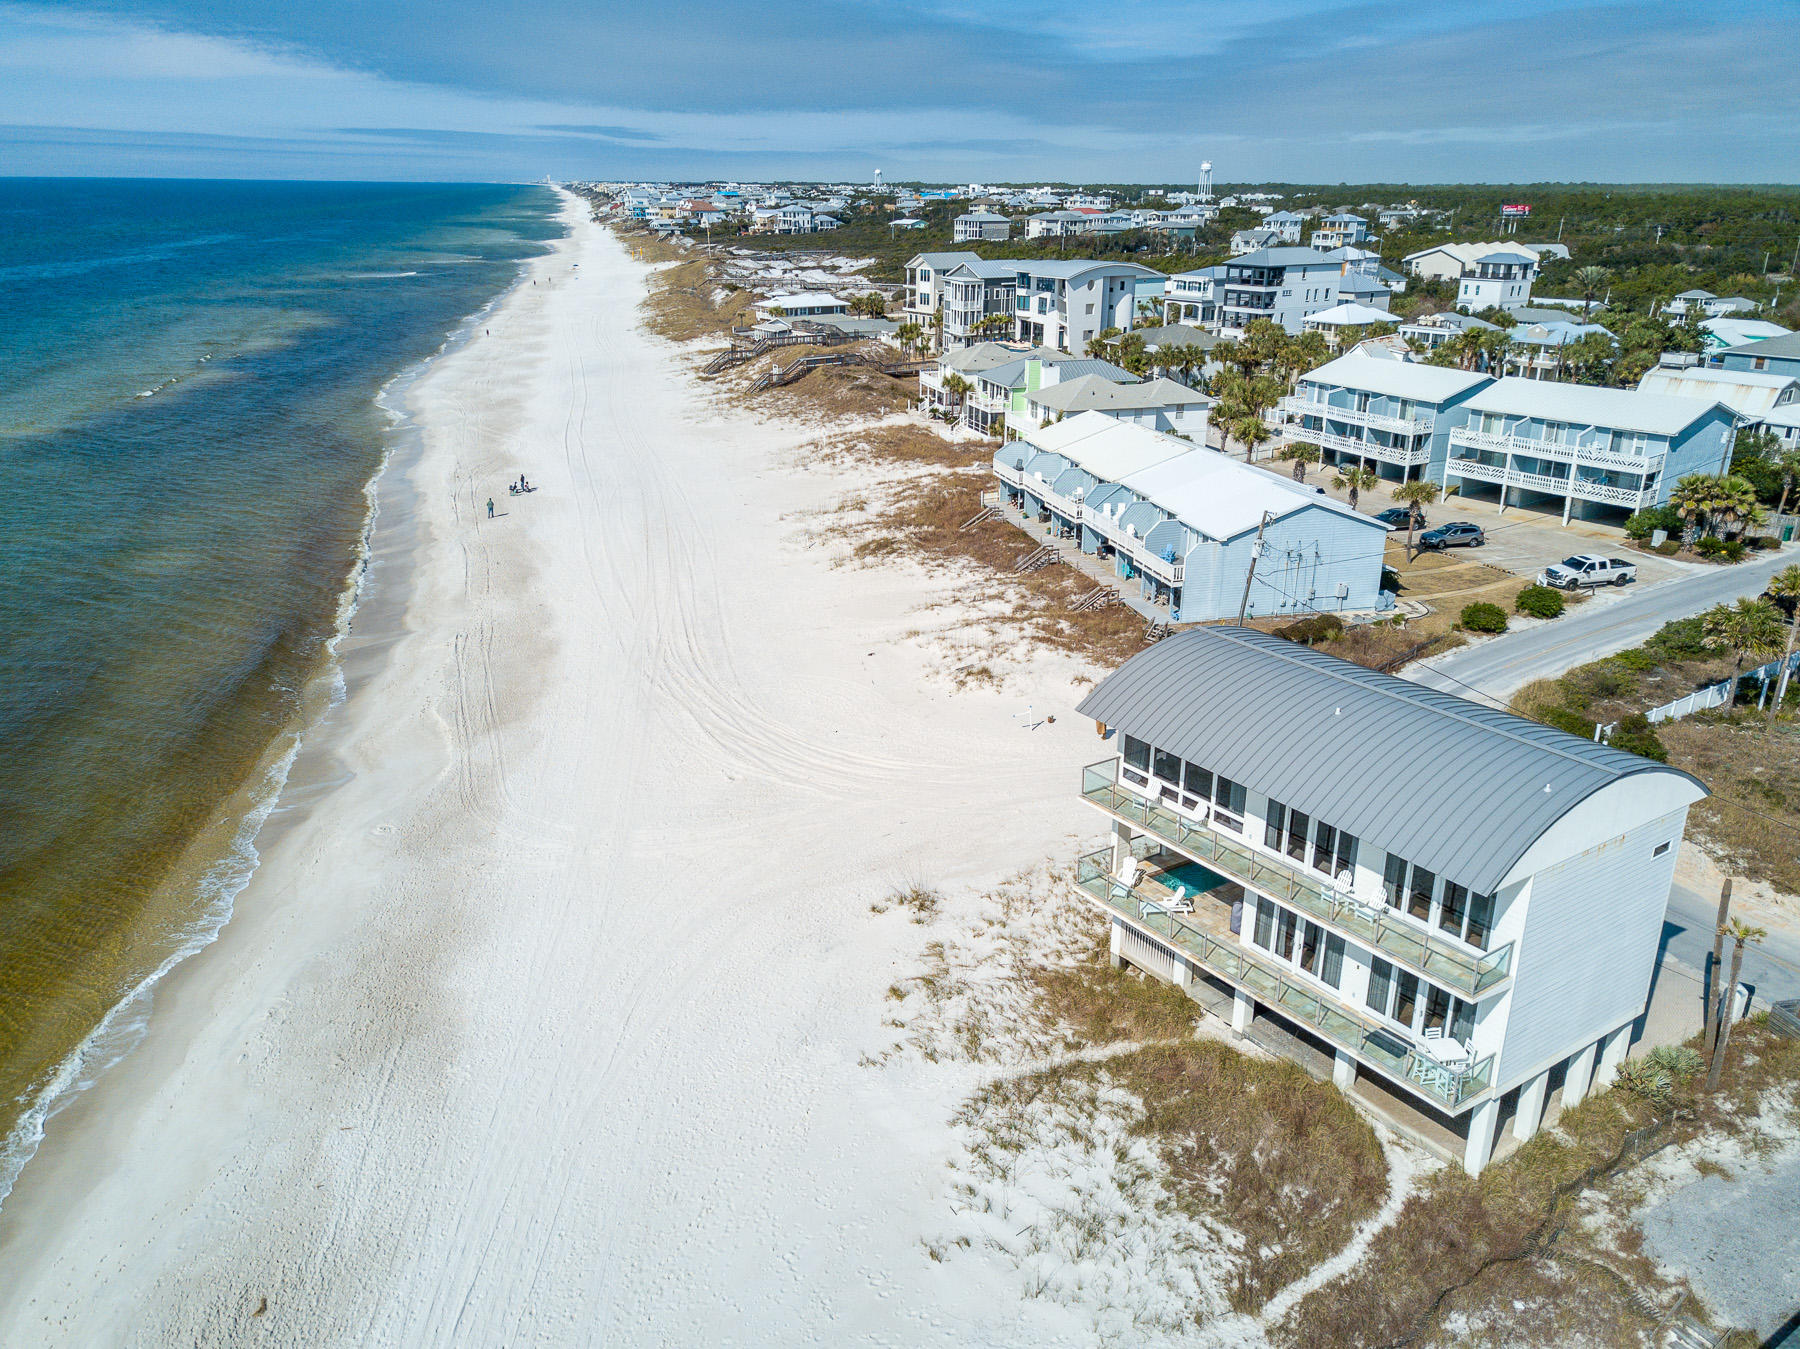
1588, 569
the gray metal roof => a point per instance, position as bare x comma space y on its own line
1461, 789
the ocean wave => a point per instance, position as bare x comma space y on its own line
47, 271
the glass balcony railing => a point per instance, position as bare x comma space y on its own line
1246, 968
1376, 926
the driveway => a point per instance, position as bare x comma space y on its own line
1611, 621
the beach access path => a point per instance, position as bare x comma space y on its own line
543, 1019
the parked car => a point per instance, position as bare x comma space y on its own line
1588, 569
1394, 517
1456, 534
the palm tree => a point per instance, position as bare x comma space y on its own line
1746, 628
1300, 454
1356, 479
1592, 279
1785, 585
1742, 935
1787, 463
1416, 495
909, 335
1706, 500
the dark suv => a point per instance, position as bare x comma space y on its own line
1457, 534
1394, 517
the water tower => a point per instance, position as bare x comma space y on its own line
878, 180
1206, 181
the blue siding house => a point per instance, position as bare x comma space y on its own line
1599, 454
1772, 356
1387, 415
1181, 523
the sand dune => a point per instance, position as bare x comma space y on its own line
541, 1022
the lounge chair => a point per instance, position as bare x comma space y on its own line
1178, 901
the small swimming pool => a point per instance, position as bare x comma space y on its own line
1197, 878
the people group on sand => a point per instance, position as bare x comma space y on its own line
519, 487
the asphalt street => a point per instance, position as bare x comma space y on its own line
1609, 622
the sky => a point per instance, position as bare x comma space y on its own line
1319, 91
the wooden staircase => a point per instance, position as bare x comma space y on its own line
1156, 632
1097, 598
1047, 556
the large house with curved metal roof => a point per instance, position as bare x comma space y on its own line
1459, 906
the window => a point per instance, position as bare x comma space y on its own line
1090, 309
1659, 850
1481, 921
1381, 984
1137, 753
1198, 781
1334, 851
1418, 894
1393, 875
1167, 766
1265, 923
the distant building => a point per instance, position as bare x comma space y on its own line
1433, 330
1285, 225
1340, 319
1708, 305
1496, 281
1336, 231
979, 225
805, 304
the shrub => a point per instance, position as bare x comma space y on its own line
1540, 602
1645, 523
1733, 550
1708, 546
1567, 719
1684, 639
1764, 542
1637, 736
1668, 548
1483, 617
1315, 628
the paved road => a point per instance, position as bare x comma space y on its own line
1608, 623
1772, 969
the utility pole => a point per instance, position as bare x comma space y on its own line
1718, 966
1249, 576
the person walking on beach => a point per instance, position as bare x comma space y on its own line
490, 508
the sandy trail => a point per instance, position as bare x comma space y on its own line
541, 1022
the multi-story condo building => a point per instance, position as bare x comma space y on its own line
1339, 231
1599, 453
1497, 281
1183, 523
1456, 908
1068, 304
978, 225
1193, 297
924, 293
974, 293
1387, 415
1283, 285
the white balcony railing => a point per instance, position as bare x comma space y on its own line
1586, 489
1632, 462
1367, 449
1400, 426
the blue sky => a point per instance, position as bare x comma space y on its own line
1009, 90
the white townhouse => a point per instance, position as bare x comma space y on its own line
974, 226
1456, 908
1392, 416
975, 292
1193, 297
1599, 454
924, 292
1182, 522
1056, 224
1283, 285
1066, 304
1497, 281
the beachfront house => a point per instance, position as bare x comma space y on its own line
968, 363
1180, 523
1392, 416
974, 226
801, 304
1283, 285
1455, 909
978, 301
1066, 304
1597, 454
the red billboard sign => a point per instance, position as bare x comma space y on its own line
1518, 209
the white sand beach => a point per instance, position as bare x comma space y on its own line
543, 1020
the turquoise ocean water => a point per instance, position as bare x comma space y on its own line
188, 427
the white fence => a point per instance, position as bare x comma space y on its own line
1714, 695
